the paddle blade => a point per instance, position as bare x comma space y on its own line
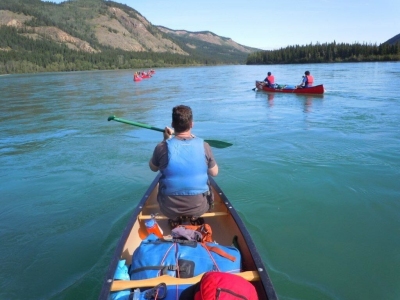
218, 144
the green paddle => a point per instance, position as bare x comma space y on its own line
212, 143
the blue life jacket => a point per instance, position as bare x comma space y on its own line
186, 172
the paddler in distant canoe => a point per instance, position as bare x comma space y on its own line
270, 80
308, 80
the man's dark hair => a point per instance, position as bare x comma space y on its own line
182, 118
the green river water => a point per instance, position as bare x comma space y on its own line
315, 179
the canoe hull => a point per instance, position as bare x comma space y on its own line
224, 221
315, 90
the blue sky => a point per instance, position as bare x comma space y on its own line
268, 25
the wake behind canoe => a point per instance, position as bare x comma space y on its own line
226, 227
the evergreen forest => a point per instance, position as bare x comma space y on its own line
31, 56
22, 50
327, 53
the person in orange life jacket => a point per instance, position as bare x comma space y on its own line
185, 161
270, 80
307, 81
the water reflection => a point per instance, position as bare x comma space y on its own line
262, 95
305, 99
271, 99
308, 101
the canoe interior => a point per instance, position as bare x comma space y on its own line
225, 224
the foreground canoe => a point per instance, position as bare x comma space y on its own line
317, 90
226, 226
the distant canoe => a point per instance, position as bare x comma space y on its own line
317, 90
137, 78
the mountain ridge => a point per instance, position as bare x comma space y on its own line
78, 35
110, 25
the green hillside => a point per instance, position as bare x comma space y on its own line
38, 36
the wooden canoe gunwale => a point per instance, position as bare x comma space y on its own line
252, 257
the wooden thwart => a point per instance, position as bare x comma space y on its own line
206, 215
119, 285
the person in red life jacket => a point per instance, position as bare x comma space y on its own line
185, 161
307, 81
136, 76
270, 80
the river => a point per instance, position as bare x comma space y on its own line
315, 179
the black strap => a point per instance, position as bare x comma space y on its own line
164, 269
173, 240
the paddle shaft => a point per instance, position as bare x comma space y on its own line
212, 143
119, 285
135, 123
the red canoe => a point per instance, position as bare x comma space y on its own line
318, 89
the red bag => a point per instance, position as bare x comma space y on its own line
224, 286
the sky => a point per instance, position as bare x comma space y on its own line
267, 25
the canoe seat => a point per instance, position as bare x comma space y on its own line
206, 215
119, 285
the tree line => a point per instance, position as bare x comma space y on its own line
21, 51
327, 52
21, 54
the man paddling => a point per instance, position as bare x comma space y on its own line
270, 80
307, 81
185, 161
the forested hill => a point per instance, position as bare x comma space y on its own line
38, 36
393, 40
329, 52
